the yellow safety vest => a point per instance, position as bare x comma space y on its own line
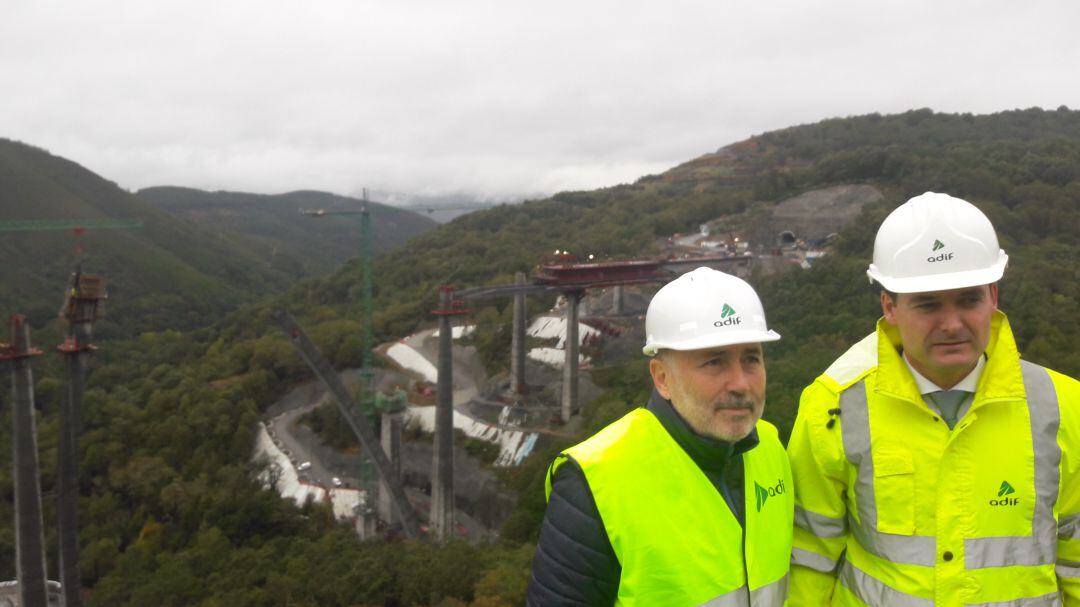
894, 508
677, 541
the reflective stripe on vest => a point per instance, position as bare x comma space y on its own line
872, 592
812, 560
770, 594
1065, 568
819, 524
1039, 548
855, 428
1069, 527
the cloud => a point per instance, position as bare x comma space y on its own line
497, 99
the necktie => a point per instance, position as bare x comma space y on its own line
948, 403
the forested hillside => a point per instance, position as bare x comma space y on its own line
167, 274
171, 514
317, 244
221, 250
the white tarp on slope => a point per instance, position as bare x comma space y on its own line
553, 357
515, 445
457, 332
289, 484
554, 327
413, 360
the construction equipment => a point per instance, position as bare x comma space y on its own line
77, 226
367, 254
83, 304
357, 422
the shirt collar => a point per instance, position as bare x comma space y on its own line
968, 384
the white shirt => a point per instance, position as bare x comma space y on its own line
951, 404
968, 384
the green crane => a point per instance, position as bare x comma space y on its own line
366, 402
367, 254
76, 225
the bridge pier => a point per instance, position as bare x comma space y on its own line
571, 347
441, 522
29, 527
517, 340
390, 438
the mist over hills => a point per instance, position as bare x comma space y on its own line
316, 244
173, 272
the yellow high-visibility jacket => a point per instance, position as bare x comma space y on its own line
677, 541
892, 508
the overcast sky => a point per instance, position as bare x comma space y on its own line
498, 99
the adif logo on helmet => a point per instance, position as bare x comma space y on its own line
938, 245
704, 308
728, 317
906, 256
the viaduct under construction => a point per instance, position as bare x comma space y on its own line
83, 304
565, 276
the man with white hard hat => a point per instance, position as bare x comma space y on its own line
933, 466
686, 501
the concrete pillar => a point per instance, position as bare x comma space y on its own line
442, 473
618, 304
67, 479
367, 527
571, 347
29, 529
517, 340
391, 446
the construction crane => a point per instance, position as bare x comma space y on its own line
77, 226
367, 372
433, 209
366, 404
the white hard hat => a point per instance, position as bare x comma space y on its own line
704, 309
935, 242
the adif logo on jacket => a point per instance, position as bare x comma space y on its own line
1005, 490
764, 493
728, 317
938, 245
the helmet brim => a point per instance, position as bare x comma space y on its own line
941, 282
715, 340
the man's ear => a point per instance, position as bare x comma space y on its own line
994, 294
888, 308
660, 375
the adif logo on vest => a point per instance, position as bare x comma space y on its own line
764, 493
727, 314
938, 245
1003, 491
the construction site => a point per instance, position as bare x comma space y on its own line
429, 392
432, 385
